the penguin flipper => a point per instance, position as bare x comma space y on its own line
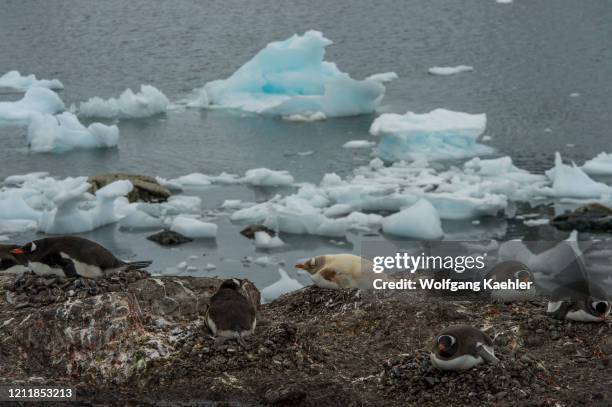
486, 354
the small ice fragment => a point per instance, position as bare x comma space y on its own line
358, 144
449, 70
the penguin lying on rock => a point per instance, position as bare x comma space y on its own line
579, 301
461, 347
511, 271
72, 256
11, 263
230, 314
341, 271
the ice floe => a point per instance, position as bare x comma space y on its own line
600, 165
148, 102
264, 177
14, 80
419, 221
572, 182
36, 100
383, 77
284, 285
438, 135
358, 144
449, 70
264, 241
194, 228
291, 79
63, 132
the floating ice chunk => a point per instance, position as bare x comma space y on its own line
36, 100
572, 182
178, 204
285, 285
265, 241
536, 222
449, 70
148, 102
69, 217
195, 179
338, 210
457, 207
13, 226
383, 77
600, 165
48, 133
20, 179
200, 101
264, 177
419, 221
290, 78
306, 117
504, 1
193, 228
358, 144
138, 219
232, 204
437, 135
14, 80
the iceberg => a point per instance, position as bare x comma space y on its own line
63, 132
438, 135
600, 165
571, 182
148, 102
60, 206
290, 78
419, 221
36, 100
449, 70
14, 80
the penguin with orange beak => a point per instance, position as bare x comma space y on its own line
511, 271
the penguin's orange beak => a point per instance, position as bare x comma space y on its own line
301, 266
17, 251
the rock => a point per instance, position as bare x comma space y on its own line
169, 238
249, 231
146, 189
592, 217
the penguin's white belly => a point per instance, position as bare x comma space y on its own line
582, 316
83, 269
323, 283
211, 325
459, 363
513, 295
42, 269
553, 306
16, 269
227, 333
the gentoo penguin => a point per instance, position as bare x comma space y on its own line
10, 263
579, 301
341, 271
72, 256
461, 347
230, 314
511, 271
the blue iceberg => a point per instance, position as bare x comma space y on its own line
290, 78
438, 135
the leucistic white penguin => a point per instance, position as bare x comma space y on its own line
341, 271
511, 271
230, 314
461, 347
580, 301
10, 263
72, 256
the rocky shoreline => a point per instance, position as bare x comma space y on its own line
142, 340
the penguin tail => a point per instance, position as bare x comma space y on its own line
137, 265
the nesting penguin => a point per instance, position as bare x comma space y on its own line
461, 347
72, 256
230, 314
510, 271
11, 263
341, 271
580, 301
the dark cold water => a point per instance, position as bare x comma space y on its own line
528, 57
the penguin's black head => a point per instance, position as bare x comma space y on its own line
446, 345
599, 308
26, 249
231, 284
